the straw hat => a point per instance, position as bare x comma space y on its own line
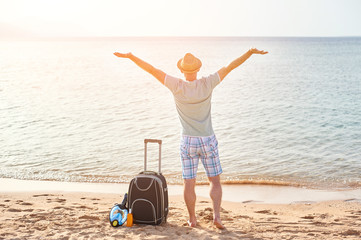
189, 64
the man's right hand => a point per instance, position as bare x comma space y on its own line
256, 51
122, 55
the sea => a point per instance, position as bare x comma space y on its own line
71, 111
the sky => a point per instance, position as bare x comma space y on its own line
112, 18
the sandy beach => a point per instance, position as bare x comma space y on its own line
84, 215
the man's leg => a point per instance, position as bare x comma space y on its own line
216, 196
190, 199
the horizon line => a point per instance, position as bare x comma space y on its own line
165, 36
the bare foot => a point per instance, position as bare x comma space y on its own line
218, 224
192, 223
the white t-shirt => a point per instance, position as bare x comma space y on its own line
193, 103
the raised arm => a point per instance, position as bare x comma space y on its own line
158, 74
223, 72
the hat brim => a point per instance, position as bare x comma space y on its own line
198, 66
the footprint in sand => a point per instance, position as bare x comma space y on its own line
28, 210
206, 214
103, 212
323, 216
26, 204
264, 211
351, 232
42, 195
267, 212
227, 218
318, 223
60, 200
83, 207
206, 211
243, 216
224, 210
94, 218
173, 208
14, 210
65, 208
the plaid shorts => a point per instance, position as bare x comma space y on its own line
194, 148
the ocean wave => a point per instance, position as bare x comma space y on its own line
201, 180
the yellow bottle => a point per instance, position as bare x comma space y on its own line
130, 218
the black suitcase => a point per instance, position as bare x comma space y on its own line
148, 193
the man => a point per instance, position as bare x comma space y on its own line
193, 102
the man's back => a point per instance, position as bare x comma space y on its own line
193, 103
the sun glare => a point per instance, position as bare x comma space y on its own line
180, 18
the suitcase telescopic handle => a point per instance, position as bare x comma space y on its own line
146, 141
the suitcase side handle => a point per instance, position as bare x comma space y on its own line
146, 141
